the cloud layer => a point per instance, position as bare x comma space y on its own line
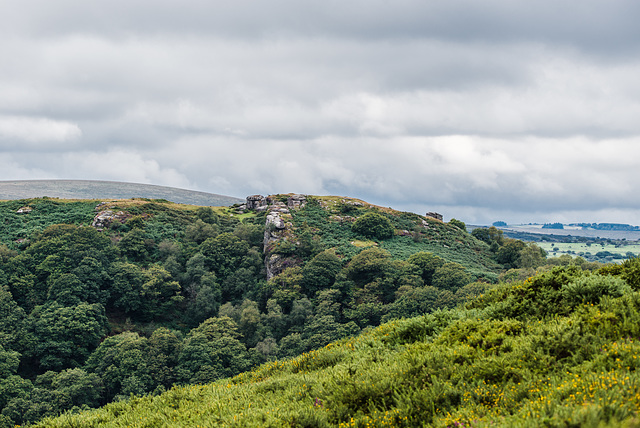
487, 111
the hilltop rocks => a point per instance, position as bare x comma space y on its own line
255, 202
25, 210
105, 219
296, 201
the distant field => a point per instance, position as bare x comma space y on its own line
593, 249
575, 231
87, 189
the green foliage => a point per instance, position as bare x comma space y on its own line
64, 336
373, 225
187, 302
464, 367
320, 272
459, 224
489, 235
427, 263
450, 276
212, 351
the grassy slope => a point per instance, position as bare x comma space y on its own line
440, 238
465, 367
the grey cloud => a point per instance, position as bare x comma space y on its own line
591, 24
485, 107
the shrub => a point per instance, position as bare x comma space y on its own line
591, 289
373, 225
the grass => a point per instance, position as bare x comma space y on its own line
363, 244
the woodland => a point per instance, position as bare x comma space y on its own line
378, 318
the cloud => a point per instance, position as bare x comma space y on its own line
484, 108
16, 130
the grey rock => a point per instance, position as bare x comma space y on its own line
256, 201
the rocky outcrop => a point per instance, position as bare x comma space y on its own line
255, 202
104, 219
24, 210
436, 216
296, 201
277, 227
274, 229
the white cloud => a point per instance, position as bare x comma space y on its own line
36, 130
120, 165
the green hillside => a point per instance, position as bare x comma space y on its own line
560, 349
104, 299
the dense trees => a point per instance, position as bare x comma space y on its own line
180, 296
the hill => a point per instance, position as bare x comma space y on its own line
558, 350
101, 299
86, 189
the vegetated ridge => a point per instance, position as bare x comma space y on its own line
104, 299
90, 189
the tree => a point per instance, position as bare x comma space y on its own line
64, 336
224, 253
212, 351
373, 225
159, 293
122, 363
320, 272
367, 265
12, 320
459, 224
128, 279
164, 349
416, 301
133, 246
451, 276
200, 231
531, 256
207, 215
427, 263
67, 290
509, 253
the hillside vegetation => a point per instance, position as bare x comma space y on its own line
560, 349
101, 300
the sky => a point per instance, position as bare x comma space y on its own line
481, 110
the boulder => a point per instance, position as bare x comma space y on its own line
256, 201
296, 201
106, 218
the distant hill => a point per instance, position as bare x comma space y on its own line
88, 189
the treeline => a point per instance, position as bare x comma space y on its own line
607, 226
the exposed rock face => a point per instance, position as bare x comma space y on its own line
106, 218
296, 201
24, 210
256, 201
437, 216
275, 227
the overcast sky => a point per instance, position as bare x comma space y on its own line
482, 110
